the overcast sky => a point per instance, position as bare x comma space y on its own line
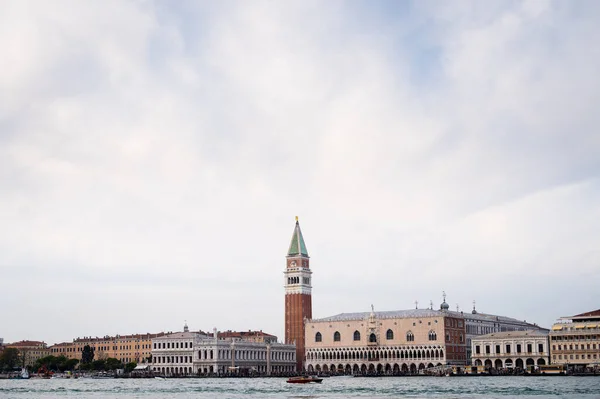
153, 155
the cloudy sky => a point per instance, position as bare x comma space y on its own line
153, 155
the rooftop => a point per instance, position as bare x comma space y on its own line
493, 317
27, 344
297, 245
514, 334
390, 314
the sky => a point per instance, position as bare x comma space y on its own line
154, 154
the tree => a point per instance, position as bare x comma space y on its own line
70, 364
99, 365
113, 364
87, 355
130, 366
9, 359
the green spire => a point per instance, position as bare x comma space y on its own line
297, 246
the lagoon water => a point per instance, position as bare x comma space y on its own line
334, 387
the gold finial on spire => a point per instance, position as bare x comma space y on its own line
296, 218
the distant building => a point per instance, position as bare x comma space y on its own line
199, 353
478, 324
30, 351
391, 342
575, 341
248, 336
511, 349
127, 348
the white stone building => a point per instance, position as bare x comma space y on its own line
478, 324
198, 353
173, 354
511, 349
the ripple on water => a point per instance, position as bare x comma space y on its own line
480, 387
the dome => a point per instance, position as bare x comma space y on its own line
444, 305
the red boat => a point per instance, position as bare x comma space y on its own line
304, 380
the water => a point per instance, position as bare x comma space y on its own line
335, 387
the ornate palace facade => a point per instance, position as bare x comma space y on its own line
392, 342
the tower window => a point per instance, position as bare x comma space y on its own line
389, 334
318, 337
336, 336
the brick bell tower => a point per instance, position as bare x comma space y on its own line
298, 299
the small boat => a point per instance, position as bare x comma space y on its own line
159, 378
24, 374
304, 380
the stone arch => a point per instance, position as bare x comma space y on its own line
519, 363
529, 362
421, 366
413, 368
430, 365
488, 364
379, 368
318, 368
355, 369
396, 368
310, 368
371, 368
325, 368
348, 369
541, 362
498, 364
363, 368
478, 362
508, 363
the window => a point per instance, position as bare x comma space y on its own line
477, 349
356, 336
507, 348
432, 336
410, 337
389, 334
372, 338
529, 350
540, 348
318, 337
497, 348
336, 336
518, 348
